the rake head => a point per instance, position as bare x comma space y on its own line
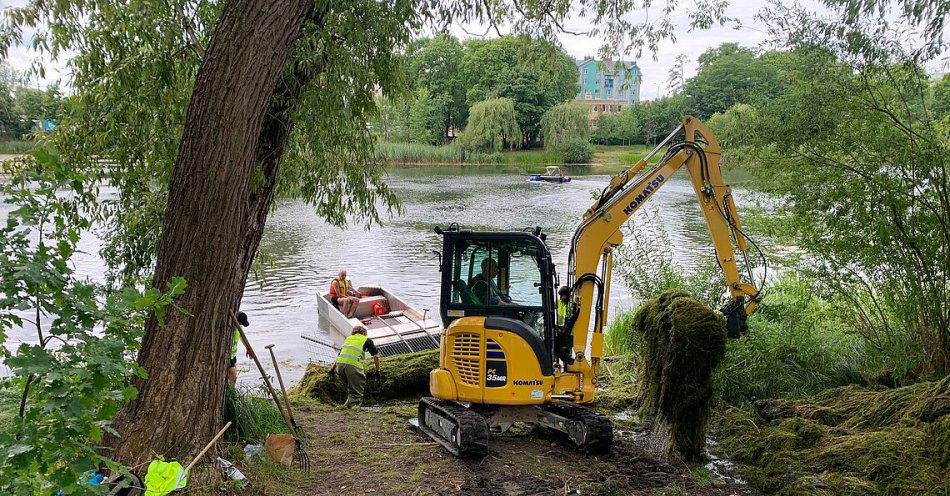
299, 433
301, 458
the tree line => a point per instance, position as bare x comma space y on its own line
21, 105
447, 78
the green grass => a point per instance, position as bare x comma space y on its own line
537, 157
254, 415
702, 475
10, 391
603, 155
620, 154
415, 153
798, 344
620, 338
16, 147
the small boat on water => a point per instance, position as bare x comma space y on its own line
393, 325
552, 174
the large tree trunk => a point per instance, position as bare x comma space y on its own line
212, 227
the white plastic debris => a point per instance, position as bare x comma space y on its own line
232, 472
253, 452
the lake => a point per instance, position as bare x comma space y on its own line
301, 253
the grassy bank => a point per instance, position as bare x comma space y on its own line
16, 147
417, 154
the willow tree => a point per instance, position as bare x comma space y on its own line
207, 111
567, 120
492, 126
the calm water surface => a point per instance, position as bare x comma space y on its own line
302, 253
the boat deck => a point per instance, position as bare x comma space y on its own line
402, 329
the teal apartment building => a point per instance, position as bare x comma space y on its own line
608, 86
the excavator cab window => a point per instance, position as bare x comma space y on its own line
504, 275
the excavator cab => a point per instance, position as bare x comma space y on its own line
497, 353
499, 274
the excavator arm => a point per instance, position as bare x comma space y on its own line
599, 234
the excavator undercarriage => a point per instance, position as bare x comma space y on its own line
464, 430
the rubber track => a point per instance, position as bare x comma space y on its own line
473, 427
600, 431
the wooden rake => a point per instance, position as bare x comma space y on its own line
301, 459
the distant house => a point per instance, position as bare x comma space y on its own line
608, 86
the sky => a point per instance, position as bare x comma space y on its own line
656, 67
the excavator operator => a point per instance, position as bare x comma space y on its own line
484, 287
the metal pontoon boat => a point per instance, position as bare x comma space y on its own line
552, 174
399, 329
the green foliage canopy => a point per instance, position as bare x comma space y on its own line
623, 128
941, 97
565, 121
435, 65
534, 74
133, 75
76, 375
862, 168
661, 116
729, 74
425, 118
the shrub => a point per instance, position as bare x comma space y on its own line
798, 344
576, 151
648, 240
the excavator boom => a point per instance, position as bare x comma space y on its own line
599, 234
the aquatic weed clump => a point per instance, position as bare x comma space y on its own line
683, 342
849, 440
402, 376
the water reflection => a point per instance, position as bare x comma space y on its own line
301, 253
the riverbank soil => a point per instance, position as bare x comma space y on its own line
376, 451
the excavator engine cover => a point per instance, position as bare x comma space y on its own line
492, 360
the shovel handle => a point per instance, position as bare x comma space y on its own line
270, 388
207, 447
280, 380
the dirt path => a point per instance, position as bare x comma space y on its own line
369, 451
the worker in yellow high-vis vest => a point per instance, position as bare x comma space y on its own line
350, 365
563, 298
235, 339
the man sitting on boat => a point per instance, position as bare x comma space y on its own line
484, 287
350, 365
343, 296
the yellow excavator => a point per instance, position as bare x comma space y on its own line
504, 358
